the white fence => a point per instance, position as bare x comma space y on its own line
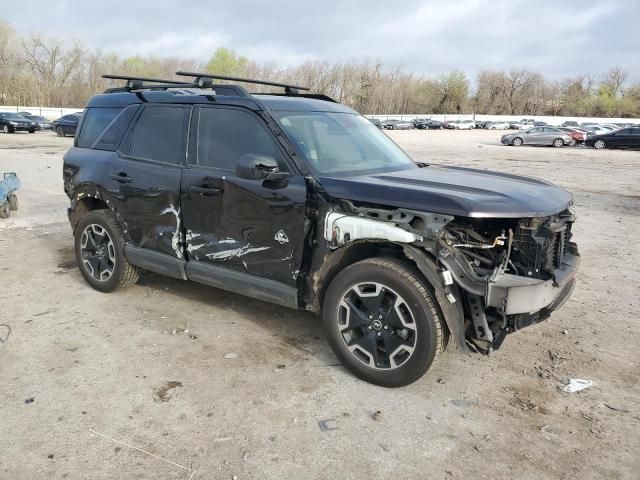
53, 113
49, 113
508, 118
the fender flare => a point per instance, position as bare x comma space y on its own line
453, 312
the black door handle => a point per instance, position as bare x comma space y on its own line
207, 191
121, 176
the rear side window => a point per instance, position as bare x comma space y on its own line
94, 123
110, 137
160, 134
225, 134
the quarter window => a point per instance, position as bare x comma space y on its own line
160, 134
95, 121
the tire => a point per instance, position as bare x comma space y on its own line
517, 142
558, 142
103, 256
599, 144
5, 210
572, 143
13, 201
32, 131
60, 132
7, 129
413, 329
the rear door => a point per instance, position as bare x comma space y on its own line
250, 227
144, 178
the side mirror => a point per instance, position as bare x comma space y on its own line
257, 167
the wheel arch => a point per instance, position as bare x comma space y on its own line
88, 200
417, 260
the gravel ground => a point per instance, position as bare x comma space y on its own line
212, 385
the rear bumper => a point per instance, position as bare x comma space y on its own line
514, 294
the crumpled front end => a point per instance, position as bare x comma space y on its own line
513, 273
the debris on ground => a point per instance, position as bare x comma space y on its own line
230, 355
29, 400
325, 425
163, 393
576, 384
376, 415
465, 403
5, 331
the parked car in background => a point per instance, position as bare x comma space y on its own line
538, 136
597, 130
623, 138
482, 123
522, 124
434, 125
66, 125
570, 123
43, 123
416, 122
539, 123
465, 125
497, 126
26, 115
400, 125
450, 124
388, 123
375, 121
577, 134
12, 122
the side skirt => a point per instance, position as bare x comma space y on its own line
243, 283
156, 262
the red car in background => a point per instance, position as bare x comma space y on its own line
578, 135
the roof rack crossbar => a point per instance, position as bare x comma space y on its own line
204, 79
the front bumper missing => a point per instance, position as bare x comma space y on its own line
513, 294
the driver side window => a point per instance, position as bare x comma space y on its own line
226, 134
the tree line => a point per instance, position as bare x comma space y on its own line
39, 71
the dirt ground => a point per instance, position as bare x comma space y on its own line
212, 385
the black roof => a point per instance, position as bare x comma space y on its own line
190, 96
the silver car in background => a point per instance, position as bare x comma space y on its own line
538, 136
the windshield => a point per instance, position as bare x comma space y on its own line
342, 144
13, 116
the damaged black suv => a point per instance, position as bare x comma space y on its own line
295, 199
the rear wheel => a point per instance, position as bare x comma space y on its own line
12, 200
516, 142
5, 210
558, 142
99, 248
382, 322
6, 129
60, 132
600, 144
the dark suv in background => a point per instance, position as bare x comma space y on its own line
67, 124
295, 199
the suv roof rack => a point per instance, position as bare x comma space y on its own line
206, 80
138, 83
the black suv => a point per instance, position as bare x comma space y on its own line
297, 200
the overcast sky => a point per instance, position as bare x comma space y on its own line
557, 38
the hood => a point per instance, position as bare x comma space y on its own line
455, 191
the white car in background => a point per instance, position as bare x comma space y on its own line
465, 125
498, 126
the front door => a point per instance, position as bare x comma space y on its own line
249, 227
144, 178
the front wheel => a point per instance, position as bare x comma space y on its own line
382, 322
99, 248
600, 144
60, 132
517, 142
6, 129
